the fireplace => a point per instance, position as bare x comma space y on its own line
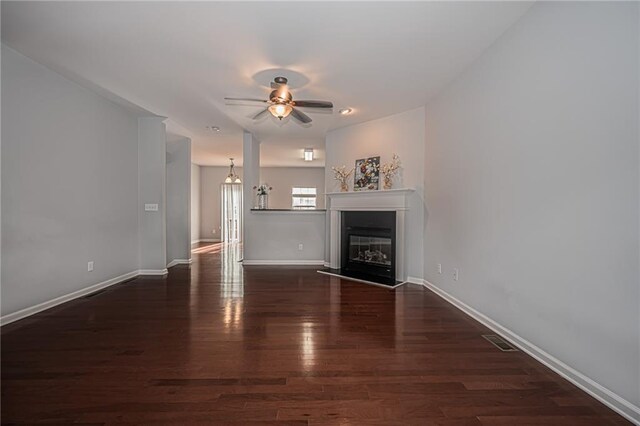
369, 244
379, 216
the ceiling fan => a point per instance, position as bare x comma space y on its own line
281, 103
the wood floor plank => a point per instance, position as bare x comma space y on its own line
215, 343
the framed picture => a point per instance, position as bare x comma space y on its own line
367, 174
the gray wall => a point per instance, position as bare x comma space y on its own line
402, 134
195, 203
532, 187
178, 200
69, 194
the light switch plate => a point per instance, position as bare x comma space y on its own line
150, 207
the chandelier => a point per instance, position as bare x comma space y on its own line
232, 177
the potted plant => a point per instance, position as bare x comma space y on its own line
263, 195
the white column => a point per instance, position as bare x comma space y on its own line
401, 258
250, 178
152, 140
179, 201
334, 240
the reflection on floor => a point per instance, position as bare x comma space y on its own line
218, 344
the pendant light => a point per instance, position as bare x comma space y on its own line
232, 177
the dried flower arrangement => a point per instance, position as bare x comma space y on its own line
389, 170
263, 189
341, 175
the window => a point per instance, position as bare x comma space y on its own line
303, 198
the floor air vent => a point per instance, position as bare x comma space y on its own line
499, 343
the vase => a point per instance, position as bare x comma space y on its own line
263, 201
344, 187
388, 182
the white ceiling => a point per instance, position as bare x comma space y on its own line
180, 59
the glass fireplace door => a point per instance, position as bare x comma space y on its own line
370, 250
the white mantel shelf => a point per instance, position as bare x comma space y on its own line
380, 191
386, 199
381, 200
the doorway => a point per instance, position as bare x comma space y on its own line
231, 214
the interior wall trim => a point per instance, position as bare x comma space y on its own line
154, 272
206, 240
612, 400
283, 262
23, 313
175, 262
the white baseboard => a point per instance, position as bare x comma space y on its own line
206, 240
614, 401
153, 271
175, 262
23, 313
327, 265
344, 277
415, 280
283, 262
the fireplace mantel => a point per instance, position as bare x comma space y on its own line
383, 200
388, 199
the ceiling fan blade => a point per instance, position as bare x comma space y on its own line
261, 113
313, 104
246, 100
300, 116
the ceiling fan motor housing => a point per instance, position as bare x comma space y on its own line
280, 96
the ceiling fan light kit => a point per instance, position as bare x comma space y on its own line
281, 103
280, 111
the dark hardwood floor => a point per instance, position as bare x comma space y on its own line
216, 344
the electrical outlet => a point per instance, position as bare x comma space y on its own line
300, 247
439, 268
213, 231
455, 274
90, 266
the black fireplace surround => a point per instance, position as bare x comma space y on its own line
368, 244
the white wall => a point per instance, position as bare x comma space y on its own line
178, 201
283, 179
69, 193
532, 188
402, 134
195, 203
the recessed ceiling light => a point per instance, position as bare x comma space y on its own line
214, 128
346, 111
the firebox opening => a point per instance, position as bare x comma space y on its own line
368, 243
